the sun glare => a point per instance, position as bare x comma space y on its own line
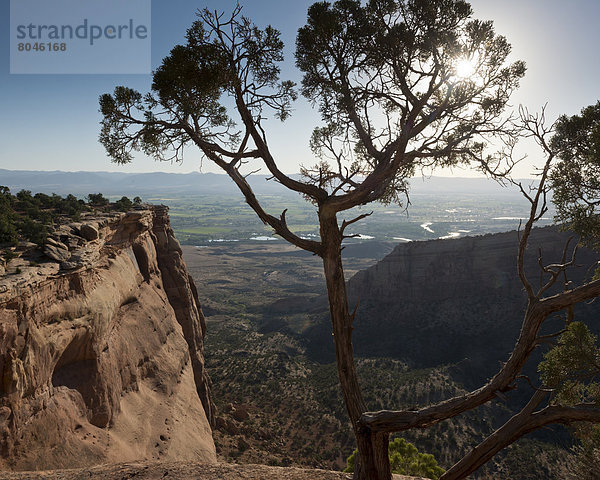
466, 68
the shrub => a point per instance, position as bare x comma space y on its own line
9, 255
8, 231
405, 459
97, 199
124, 204
33, 231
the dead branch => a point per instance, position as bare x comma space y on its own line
526, 421
347, 223
537, 311
556, 269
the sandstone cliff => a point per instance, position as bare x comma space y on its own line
101, 350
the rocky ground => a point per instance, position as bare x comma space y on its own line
185, 471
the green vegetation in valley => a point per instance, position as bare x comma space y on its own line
279, 406
204, 219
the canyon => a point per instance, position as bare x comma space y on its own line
102, 347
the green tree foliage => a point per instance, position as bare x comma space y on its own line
405, 459
32, 230
27, 217
407, 53
26, 203
8, 230
576, 176
189, 84
30, 215
572, 367
70, 206
123, 204
97, 199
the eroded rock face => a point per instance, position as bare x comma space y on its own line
101, 357
443, 301
182, 294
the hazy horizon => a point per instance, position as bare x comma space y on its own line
258, 174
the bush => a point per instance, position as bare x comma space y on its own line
123, 205
27, 216
9, 255
97, 199
405, 459
8, 231
33, 231
73, 207
586, 462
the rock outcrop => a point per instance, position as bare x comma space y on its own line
101, 350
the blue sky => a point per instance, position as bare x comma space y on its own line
51, 122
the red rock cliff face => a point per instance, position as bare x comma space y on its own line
183, 297
101, 356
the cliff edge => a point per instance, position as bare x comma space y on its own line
187, 471
101, 349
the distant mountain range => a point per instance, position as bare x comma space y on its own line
131, 184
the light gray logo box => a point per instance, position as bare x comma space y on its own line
80, 36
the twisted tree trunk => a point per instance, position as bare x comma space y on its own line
373, 462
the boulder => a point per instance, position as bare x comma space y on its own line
56, 251
55, 242
72, 242
81, 258
89, 232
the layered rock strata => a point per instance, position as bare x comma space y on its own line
101, 350
443, 301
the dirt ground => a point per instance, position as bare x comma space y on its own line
184, 471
